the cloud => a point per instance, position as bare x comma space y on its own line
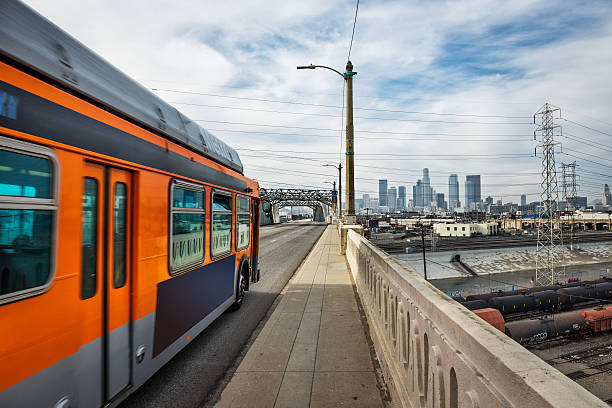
482, 57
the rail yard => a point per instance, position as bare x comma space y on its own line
568, 326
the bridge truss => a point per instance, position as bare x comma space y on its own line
297, 197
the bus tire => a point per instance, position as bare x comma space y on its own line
240, 292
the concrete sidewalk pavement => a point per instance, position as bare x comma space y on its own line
312, 352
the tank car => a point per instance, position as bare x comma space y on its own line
513, 304
538, 330
475, 304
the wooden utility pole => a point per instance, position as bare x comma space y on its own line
423, 246
349, 215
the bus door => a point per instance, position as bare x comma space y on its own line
113, 189
255, 240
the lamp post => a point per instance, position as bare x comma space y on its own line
334, 193
339, 167
349, 214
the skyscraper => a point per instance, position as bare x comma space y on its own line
440, 201
427, 191
392, 198
417, 194
366, 201
382, 192
453, 191
472, 190
401, 197
606, 198
523, 200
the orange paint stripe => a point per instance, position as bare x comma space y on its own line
30, 84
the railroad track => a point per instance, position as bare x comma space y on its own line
604, 351
442, 245
536, 314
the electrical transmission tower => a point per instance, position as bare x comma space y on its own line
549, 231
570, 192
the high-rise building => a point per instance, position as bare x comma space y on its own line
523, 200
472, 190
417, 194
401, 197
382, 192
422, 193
392, 198
366, 201
427, 190
578, 202
453, 190
440, 201
489, 200
606, 198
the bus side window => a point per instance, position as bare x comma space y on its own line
27, 213
187, 211
221, 232
89, 248
243, 222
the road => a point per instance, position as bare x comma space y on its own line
199, 369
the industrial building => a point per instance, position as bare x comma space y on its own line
465, 229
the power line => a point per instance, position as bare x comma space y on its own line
405, 172
587, 160
353, 35
586, 127
331, 106
448, 139
276, 169
588, 154
522, 136
383, 154
587, 142
401, 120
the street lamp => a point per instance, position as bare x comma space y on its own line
339, 167
349, 214
334, 193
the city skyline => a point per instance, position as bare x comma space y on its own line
472, 193
473, 59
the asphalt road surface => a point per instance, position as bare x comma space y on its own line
198, 370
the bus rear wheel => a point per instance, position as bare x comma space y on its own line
240, 291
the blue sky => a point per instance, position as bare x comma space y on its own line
497, 61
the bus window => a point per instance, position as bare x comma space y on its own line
89, 249
27, 210
187, 229
119, 232
243, 222
221, 234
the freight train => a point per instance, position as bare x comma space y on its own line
550, 298
538, 330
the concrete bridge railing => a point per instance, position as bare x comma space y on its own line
435, 353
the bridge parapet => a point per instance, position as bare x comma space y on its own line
435, 353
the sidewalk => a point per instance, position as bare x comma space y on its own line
312, 352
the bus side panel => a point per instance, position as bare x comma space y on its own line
185, 300
52, 338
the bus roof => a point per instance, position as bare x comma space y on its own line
34, 41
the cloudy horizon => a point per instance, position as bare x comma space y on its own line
451, 86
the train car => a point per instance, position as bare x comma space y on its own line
599, 319
537, 330
491, 316
584, 293
125, 228
513, 304
475, 304
547, 299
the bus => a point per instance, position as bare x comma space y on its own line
125, 228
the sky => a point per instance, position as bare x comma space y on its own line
451, 86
